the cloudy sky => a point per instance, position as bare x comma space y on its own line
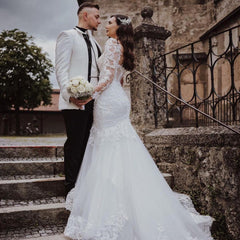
43, 19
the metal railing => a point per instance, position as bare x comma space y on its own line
205, 77
156, 86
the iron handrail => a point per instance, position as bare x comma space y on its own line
189, 105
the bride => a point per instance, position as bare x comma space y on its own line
120, 193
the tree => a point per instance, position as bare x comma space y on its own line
24, 73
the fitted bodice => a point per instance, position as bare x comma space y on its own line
112, 104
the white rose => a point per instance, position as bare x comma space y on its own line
83, 84
89, 84
74, 90
89, 88
75, 82
81, 88
82, 81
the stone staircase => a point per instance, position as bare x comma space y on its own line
32, 193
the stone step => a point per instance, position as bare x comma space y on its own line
4, 203
30, 189
40, 166
52, 237
49, 232
30, 151
17, 217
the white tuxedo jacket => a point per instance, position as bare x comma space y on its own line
72, 60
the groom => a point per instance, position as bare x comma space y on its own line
76, 55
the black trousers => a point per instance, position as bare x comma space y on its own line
78, 124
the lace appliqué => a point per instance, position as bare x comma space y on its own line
112, 229
69, 200
121, 130
111, 58
78, 228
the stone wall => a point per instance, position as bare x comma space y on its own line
205, 163
186, 19
132, 8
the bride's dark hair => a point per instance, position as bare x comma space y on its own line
125, 36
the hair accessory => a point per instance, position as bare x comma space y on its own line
125, 21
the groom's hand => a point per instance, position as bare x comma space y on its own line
78, 102
84, 102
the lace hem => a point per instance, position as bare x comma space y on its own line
79, 229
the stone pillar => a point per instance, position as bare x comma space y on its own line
149, 44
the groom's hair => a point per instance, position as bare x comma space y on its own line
87, 5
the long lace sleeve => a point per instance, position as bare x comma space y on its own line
111, 58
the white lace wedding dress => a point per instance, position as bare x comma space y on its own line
120, 193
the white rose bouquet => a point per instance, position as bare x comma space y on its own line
80, 88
